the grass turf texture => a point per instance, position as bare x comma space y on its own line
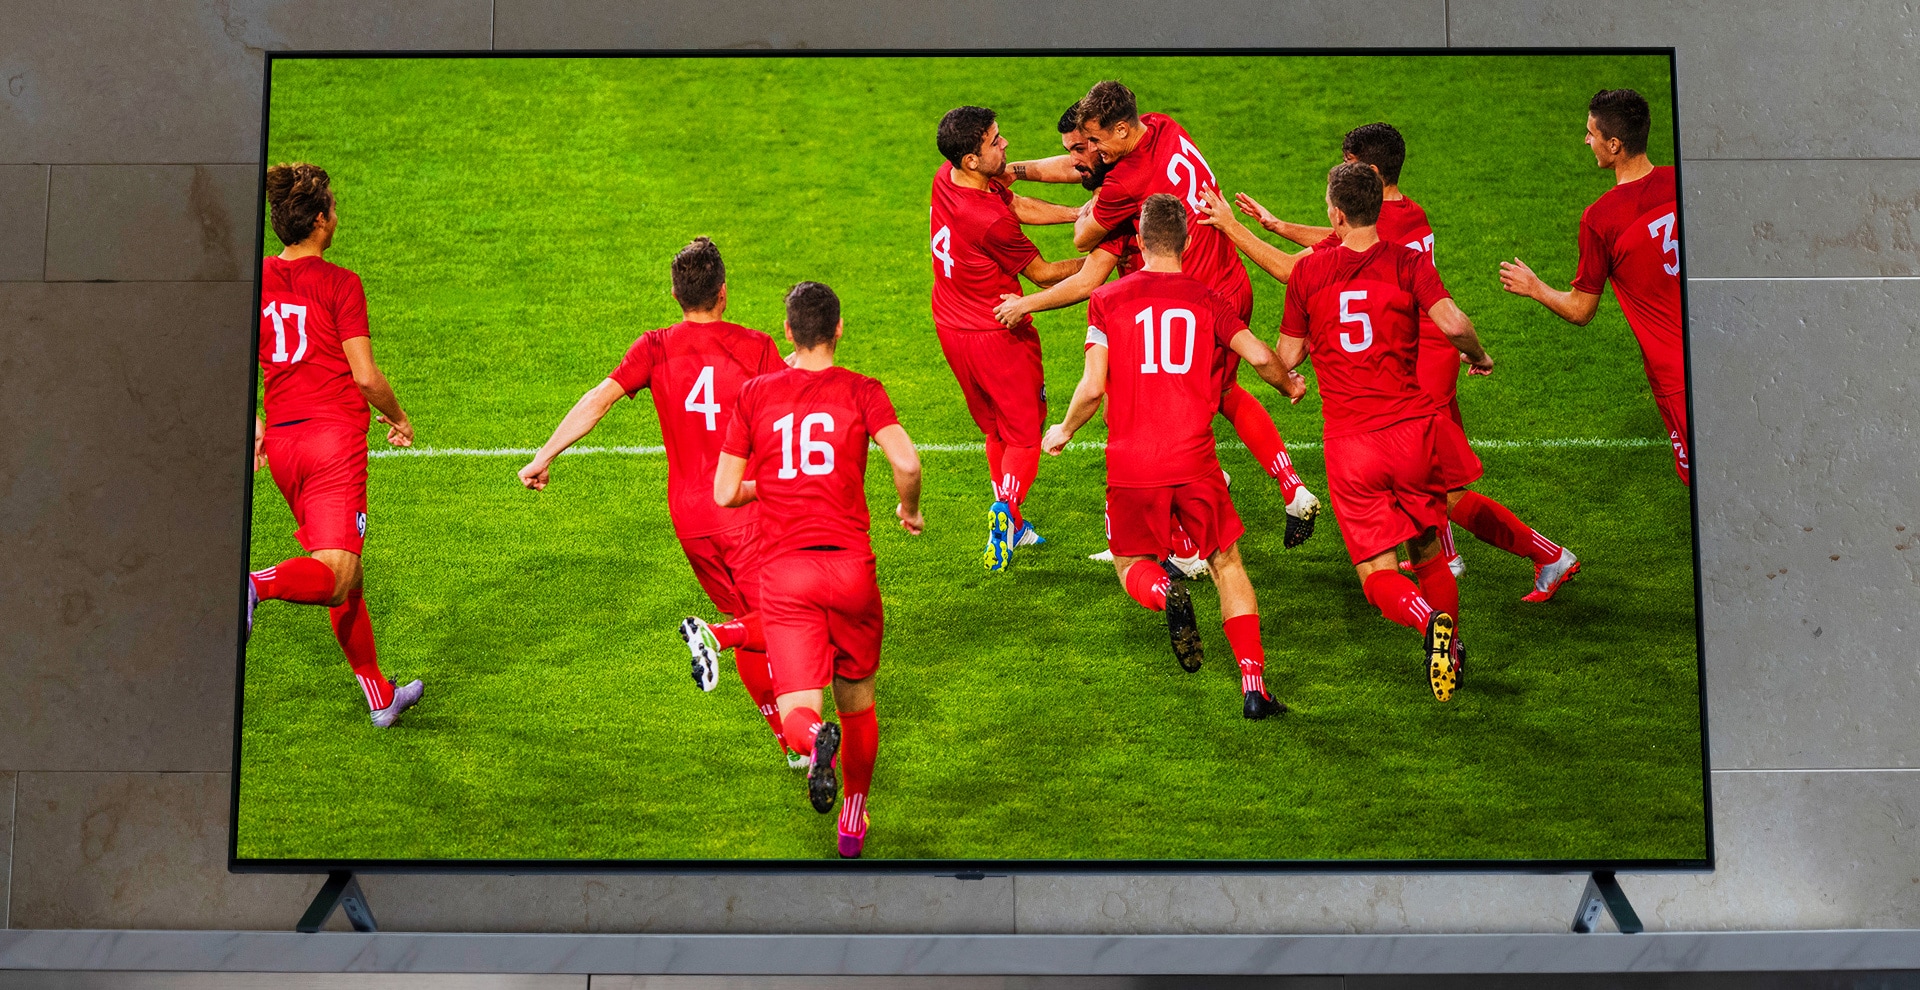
512, 220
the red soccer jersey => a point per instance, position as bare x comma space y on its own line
1163, 332
1122, 243
1166, 161
1631, 235
695, 371
979, 251
1359, 312
804, 436
308, 306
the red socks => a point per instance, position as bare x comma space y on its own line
859, 745
303, 580
756, 675
799, 728
1496, 524
1148, 584
1243, 634
1018, 467
1254, 425
353, 627
741, 633
1438, 587
1394, 594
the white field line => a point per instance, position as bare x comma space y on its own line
970, 448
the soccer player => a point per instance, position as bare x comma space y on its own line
694, 369
1150, 154
1119, 252
1152, 339
802, 434
1402, 221
979, 254
320, 376
1630, 236
1356, 309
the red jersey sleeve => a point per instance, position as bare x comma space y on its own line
1428, 289
1293, 315
1116, 205
1595, 265
636, 367
1096, 323
1008, 246
876, 408
739, 441
350, 309
1226, 320
770, 360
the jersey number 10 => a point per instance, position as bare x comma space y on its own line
1148, 364
816, 456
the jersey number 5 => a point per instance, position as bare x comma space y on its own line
1662, 230
816, 456
1347, 343
943, 248
700, 400
280, 314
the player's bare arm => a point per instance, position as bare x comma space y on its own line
1292, 351
1087, 232
259, 443
1268, 365
1058, 169
379, 393
1571, 305
1085, 402
730, 487
1040, 213
1214, 212
578, 422
1044, 273
1298, 233
905, 460
1454, 323
1076, 288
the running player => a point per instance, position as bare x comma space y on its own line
320, 376
695, 369
1402, 221
1154, 154
1162, 468
802, 433
1356, 309
1631, 236
979, 252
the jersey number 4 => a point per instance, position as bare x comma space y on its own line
1169, 317
816, 456
700, 400
943, 249
1662, 231
281, 314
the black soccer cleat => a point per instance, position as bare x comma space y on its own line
1182, 628
823, 785
1442, 674
1260, 704
1301, 513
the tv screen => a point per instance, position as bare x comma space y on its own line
964, 462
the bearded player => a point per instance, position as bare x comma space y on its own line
1150, 154
1355, 308
1403, 222
1631, 237
317, 362
695, 369
979, 254
1152, 343
802, 433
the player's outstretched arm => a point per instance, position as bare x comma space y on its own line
1057, 169
898, 447
578, 422
1454, 323
1087, 232
1214, 212
730, 488
1085, 401
1267, 363
1573, 306
1040, 213
1298, 233
379, 393
1073, 289
1044, 273
1292, 351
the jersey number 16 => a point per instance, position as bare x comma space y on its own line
816, 456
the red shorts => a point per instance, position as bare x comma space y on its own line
1455, 465
1145, 522
1002, 379
822, 616
321, 468
1384, 486
1673, 412
724, 565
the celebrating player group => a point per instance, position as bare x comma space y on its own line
767, 455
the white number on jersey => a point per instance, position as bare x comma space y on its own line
1662, 230
816, 456
280, 314
1347, 342
1148, 366
1424, 245
943, 248
1194, 179
700, 400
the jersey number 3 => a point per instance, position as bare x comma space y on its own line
281, 314
1662, 230
816, 456
700, 400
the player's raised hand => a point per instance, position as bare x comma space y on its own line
534, 475
399, 431
1214, 211
1252, 208
914, 524
1056, 439
1010, 311
1518, 279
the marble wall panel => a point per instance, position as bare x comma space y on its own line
153, 223
1802, 219
23, 222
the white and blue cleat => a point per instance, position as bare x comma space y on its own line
999, 553
1027, 536
403, 699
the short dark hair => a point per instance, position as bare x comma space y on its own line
298, 195
1163, 225
1355, 190
812, 313
1623, 114
1107, 104
1070, 120
962, 130
1378, 145
698, 274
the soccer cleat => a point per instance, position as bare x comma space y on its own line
403, 699
1027, 536
999, 553
1548, 578
1192, 568
798, 761
253, 602
1440, 656
1301, 512
705, 648
1458, 565
1104, 556
1260, 704
851, 842
823, 785
1182, 628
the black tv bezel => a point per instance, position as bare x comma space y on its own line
961, 868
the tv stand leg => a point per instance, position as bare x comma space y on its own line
1603, 893
342, 891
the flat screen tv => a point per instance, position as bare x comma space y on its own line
964, 462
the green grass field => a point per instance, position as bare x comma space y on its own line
512, 220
